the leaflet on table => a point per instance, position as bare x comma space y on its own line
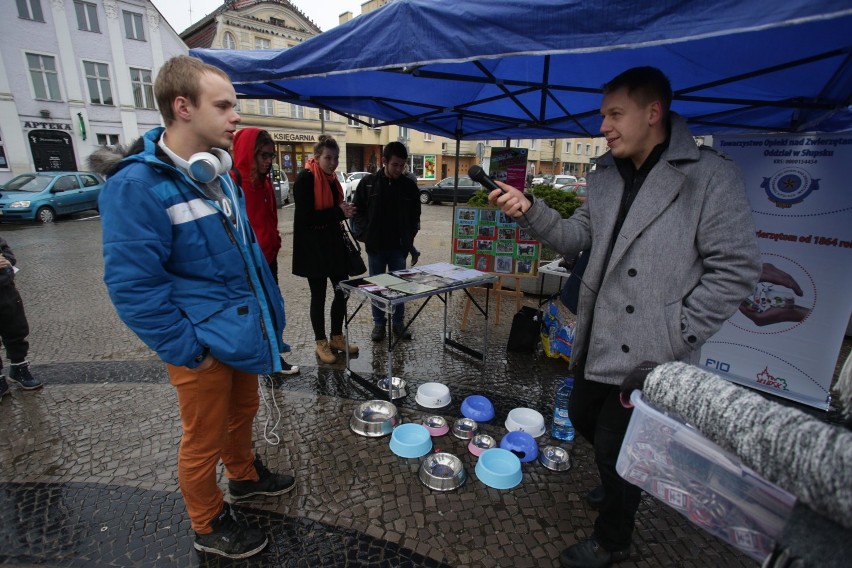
414, 287
453, 272
384, 279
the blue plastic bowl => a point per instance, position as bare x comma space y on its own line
478, 408
499, 468
521, 444
411, 441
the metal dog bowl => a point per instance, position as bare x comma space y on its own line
480, 443
436, 425
374, 418
465, 428
442, 472
555, 458
397, 387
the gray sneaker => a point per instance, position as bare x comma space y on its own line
20, 373
230, 538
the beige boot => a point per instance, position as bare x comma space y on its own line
337, 344
324, 352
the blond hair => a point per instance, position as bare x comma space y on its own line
181, 76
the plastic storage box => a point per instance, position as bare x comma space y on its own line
711, 487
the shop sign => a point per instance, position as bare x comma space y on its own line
47, 125
294, 137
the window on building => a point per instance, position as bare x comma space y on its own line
261, 43
579, 149
143, 88
228, 41
266, 107
533, 144
87, 16
374, 123
30, 10
597, 150
326, 115
427, 137
97, 78
568, 147
422, 166
297, 111
277, 21
403, 133
44, 76
353, 121
133, 26
588, 149
107, 139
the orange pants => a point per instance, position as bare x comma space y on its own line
217, 410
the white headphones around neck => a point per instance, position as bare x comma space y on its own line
204, 167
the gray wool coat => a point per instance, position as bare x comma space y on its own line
685, 257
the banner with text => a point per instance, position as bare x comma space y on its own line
786, 337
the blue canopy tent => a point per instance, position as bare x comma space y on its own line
507, 69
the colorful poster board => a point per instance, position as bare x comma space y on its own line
786, 337
487, 240
509, 165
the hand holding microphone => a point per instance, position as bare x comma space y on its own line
511, 201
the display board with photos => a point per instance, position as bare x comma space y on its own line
486, 239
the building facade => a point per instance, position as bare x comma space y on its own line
74, 75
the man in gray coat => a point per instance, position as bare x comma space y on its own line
673, 253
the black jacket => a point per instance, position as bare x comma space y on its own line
368, 221
318, 249
7, 277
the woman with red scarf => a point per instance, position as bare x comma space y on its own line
318, 250
253, 155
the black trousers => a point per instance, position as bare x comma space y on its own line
598, 416
13, 325
318, 288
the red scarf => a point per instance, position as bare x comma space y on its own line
323, 197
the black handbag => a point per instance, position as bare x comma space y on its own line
354, 263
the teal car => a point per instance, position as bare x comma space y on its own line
44, 196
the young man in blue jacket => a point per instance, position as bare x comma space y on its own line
185, 272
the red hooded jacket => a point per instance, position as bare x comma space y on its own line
260, 199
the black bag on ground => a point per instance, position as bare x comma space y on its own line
525, 331
354, 263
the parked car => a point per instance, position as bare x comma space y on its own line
44, 196
579, 189
443, 191
352, 181
561, 180
542, 179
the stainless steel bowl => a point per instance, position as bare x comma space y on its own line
465, 428
374, 418
555, 458
397, 387
442, 472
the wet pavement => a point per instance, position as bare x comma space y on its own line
88, 464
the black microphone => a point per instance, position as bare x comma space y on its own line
476, 173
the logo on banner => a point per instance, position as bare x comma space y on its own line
765, 378
789, 187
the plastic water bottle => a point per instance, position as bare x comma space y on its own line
562, 427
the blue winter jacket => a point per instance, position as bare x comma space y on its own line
178, 271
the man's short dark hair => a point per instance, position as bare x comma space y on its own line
392, 149
645, 85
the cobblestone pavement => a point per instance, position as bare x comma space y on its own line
88, 464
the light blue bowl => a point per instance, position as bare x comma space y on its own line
499, 468
411, 441
521, 444
477, 407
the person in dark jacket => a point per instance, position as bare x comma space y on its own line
319, 253
672, 253
14, 327
184, 270
387, 214
253, 155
